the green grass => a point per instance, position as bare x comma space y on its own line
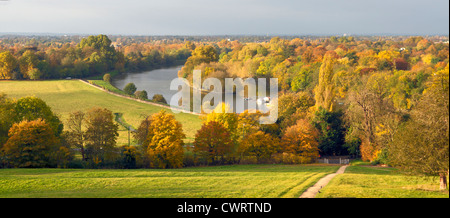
238, 181
66, 96
363, 181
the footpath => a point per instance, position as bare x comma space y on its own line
312, 191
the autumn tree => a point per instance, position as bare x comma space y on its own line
325, 91
8, 65
31, 144
6, 113
372, 115
259, 145
165, 141
74, 132
100, 135
301, 142
422, 145
28, 64
222, 114
212, 141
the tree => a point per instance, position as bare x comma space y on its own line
332, 137
325, 90
74, 133
142, 95
8, 64
130, 89
32, 108
101, 135
128, 157
212, 141
165, 141
422, 145
260, 145
222, 115
301, 140
107, 78
159, 98
6, 113
292, 106
31, 144
140, 135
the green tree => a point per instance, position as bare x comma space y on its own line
32, 108
141, 95
130, 89
6, 113
332, 132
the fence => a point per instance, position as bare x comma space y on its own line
334, 160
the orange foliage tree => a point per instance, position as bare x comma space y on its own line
32, 144
213, 140
300, 142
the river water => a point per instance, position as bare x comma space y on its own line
153, 81
158, 82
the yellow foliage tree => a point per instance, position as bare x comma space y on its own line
31, 144
165, 141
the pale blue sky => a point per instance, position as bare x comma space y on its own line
211, 17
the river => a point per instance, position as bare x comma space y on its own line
158, 82
153, 81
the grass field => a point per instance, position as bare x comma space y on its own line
381, 182
66, 96
239, 181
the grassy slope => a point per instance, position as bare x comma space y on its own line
66, 96
380, 182
240, 181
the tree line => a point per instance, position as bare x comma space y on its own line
92, 56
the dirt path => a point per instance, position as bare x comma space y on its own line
312, 191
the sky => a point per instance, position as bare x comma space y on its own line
226, 17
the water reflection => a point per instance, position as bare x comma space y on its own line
158, 82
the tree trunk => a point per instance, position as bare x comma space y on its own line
443, 181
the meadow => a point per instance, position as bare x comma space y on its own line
365, 181
66, 96
237, 181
